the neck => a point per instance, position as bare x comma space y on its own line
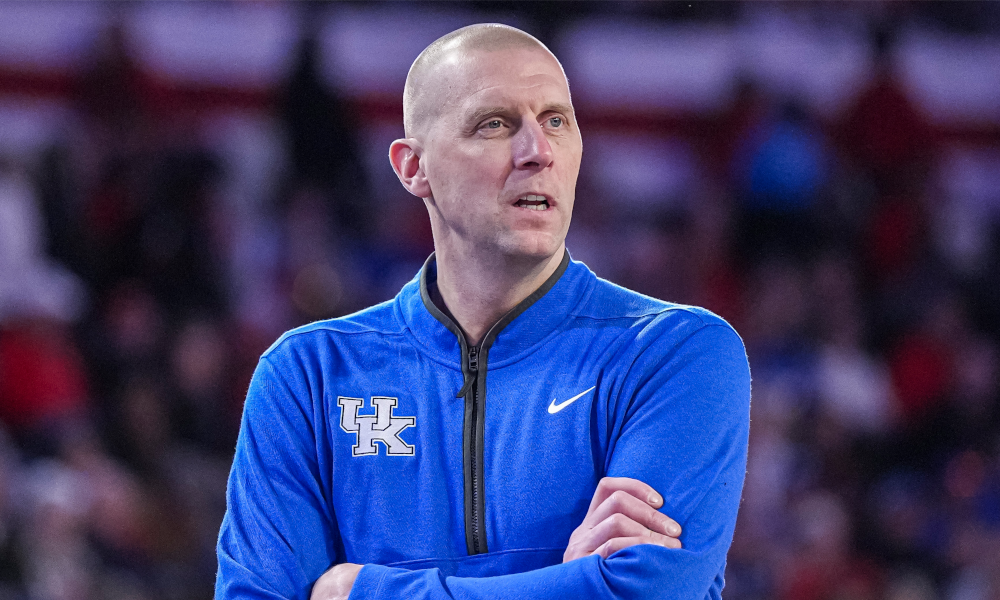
479, 292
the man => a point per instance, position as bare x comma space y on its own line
509, 424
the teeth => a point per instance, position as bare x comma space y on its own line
533, 201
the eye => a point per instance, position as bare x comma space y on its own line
556, 121
494, 124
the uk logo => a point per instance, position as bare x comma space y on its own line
383, 426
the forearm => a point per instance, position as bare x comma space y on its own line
639, 572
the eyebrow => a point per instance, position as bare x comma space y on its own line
558, 107
498, 111
482, 113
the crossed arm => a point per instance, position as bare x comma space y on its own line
622, 513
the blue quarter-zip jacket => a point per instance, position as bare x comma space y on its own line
451, 471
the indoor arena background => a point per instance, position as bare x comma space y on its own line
182, 182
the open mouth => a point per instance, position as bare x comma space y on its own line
532, 202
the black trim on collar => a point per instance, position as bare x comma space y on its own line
493, 331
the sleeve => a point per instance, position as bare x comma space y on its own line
683, 430
278, 534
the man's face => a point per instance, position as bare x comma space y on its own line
503, 154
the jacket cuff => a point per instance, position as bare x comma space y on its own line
368, 583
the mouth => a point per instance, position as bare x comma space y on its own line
533, 202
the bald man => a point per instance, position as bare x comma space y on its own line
510, 425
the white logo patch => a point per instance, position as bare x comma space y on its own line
383, 426
554, 408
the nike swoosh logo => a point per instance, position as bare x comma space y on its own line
554, 408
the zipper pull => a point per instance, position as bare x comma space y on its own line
474, 359
470, 377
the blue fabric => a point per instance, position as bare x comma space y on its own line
670, 407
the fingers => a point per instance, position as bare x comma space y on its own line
615, 544
619, 526
632, 487
620, 502
622, 513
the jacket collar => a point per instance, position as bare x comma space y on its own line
526, 325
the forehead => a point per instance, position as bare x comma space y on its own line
510, 78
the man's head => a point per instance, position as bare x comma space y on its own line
492, 142
423, 94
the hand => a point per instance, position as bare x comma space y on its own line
622, 514
336, 583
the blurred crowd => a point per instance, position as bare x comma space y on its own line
147, 259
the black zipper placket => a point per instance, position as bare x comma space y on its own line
474, 392
474, 359
475, 540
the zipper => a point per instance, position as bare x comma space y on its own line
477, 544
474, 359
472, 448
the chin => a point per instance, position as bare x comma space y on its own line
534, 246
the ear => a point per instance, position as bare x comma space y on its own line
404, 155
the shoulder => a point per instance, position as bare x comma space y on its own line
654, 335
623, 307
380, 320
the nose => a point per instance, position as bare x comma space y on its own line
531, 147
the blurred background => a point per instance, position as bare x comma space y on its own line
182, 182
